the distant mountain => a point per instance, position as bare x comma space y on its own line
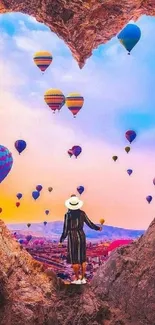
54, 230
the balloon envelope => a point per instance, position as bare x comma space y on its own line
74, 102
129, 36
45, 223
6, 162
50, 189
1, 210
154, 181
42, 59
114, 158
28, 237
80, 189
102, 221
127, 149
35, 195
129, 171
54, 98
19, 196
130, 135
39, 188
28, 225
70, 152
149, 198
76, 151
20, 145
17, 204
47, 212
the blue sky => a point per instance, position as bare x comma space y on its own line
119, 95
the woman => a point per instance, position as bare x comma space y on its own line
73, 228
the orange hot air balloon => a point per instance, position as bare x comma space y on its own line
1, 210
74, 102
55, 99
17, 204
42, 59
102, 221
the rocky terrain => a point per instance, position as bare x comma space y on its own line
122, 292
82, 24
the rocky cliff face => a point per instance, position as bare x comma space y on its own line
82, 24
122, 292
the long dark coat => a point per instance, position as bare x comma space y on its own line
73, 228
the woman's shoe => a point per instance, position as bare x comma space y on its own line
76, 281
83, 281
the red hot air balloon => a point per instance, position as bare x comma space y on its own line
17, 204
70, 153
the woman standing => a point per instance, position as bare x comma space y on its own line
73, 228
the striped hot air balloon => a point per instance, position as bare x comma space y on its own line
55, 99
74, 102
42, 59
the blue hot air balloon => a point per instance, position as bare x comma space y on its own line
39, 188
19, 196
20, 145
21, 241
129, 36
129, 171
45, 223
28, 237
76, 150
149, 198
130, 135
80, 189
35, 195
47, 212
6, 162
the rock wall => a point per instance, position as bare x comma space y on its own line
121, 293
82, 24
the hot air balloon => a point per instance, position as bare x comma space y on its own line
6, 162
17, 204
47, 212
129, 36
70, 152
35, 195
45, 223
80, 189
50, 189
130, 135
76, 151
149, 198
154, 181
28, 237
39, 188
114, 158
21, 241
19, 196
20, 146
129, 171
42, 60
74, 102
55, 99
102, 221
127, 149
28, 225
1, 210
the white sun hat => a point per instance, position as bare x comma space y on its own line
73, 203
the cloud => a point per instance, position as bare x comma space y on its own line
111, 83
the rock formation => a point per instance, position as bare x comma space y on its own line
121, 293
82, 24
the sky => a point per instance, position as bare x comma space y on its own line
119, 95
